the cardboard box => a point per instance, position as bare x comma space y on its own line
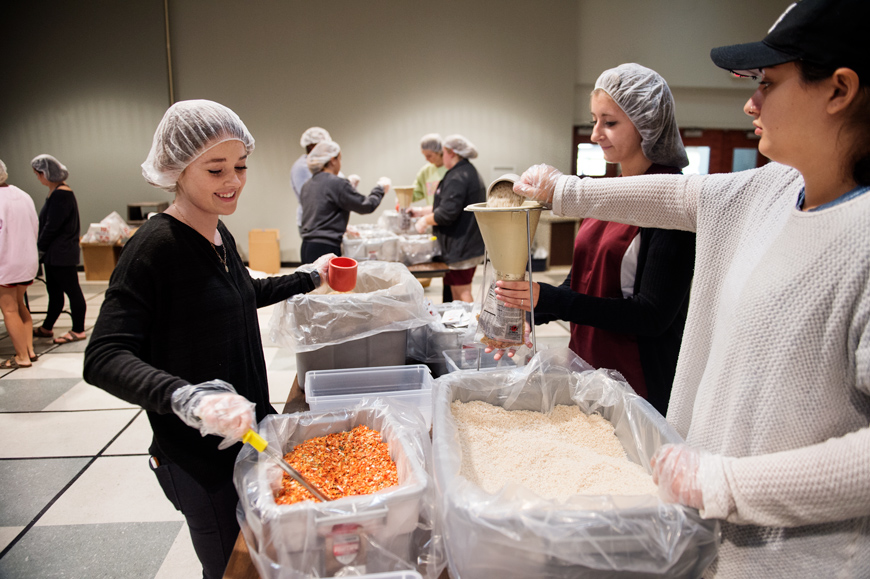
264, 250
100, 260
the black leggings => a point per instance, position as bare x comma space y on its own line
210, 515
311, 250
60, 280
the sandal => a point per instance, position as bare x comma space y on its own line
12, 364
40, 332
34, 358
69, 337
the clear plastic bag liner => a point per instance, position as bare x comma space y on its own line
396, 525
427, 343
387, 298
370, 242
517, 533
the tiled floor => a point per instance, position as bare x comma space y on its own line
78, 499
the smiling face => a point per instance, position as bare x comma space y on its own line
614, 132
212, 184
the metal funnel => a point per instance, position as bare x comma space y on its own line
506, 236
405, 196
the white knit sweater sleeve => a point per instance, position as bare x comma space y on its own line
662, 201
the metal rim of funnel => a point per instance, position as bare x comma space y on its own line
527, 205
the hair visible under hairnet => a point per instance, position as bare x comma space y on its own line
644, 96
189, 129
431, 142
52, 169
461, 146
3, 174
313, 136
321, 154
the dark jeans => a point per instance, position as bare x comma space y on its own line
60, 280
311, 250
210, 515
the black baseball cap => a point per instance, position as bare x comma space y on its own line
823, 32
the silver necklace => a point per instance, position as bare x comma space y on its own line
222, 259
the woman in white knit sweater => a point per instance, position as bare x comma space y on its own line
772, 391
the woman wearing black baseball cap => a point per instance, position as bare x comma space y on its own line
772, 391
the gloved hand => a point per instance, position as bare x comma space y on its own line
420, 211
353, 180
321, 266
676, 470
420, 225
538, 183
213, 407
385, 182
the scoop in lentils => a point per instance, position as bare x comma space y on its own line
340, 464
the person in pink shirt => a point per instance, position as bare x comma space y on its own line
19, 263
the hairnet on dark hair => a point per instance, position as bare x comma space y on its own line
52, 169
431, 142
644, 96
189, 129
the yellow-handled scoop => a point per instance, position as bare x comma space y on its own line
261, 445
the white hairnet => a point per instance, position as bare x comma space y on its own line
431, 142
189, 129
322, 154
3, 174
461, 146
52, 169
645, 97
313, 136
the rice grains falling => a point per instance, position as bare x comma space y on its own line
340, 464
558, 455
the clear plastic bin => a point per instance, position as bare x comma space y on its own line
327, 390
475, 359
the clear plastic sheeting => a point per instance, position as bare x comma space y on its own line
516, 533
111, 229
454, 327
387, 298
414, 249
390, 530
370, 242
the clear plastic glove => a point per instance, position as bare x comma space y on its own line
675, 468
421, 211
321, 266
538, 183
213, 407
353, 180
386, 183
421, 226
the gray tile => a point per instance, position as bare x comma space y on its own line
129, 550
29, 484
21, 395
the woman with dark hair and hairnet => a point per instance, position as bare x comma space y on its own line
59, 231
772, 392
178, 333
627, 293
458, 234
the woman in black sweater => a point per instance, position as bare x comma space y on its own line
58, 241
179, 323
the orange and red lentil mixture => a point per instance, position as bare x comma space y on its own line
340, 464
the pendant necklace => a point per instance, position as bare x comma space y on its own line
222, 259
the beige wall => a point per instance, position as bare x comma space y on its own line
87, 82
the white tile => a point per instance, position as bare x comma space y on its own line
181, 561
119, 489
7, 534
35, 434
55, 365
136, 439
84, 396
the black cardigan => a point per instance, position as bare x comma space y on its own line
656, 312
457, 231
173, 316
59, 229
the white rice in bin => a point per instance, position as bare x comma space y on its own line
558, 455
